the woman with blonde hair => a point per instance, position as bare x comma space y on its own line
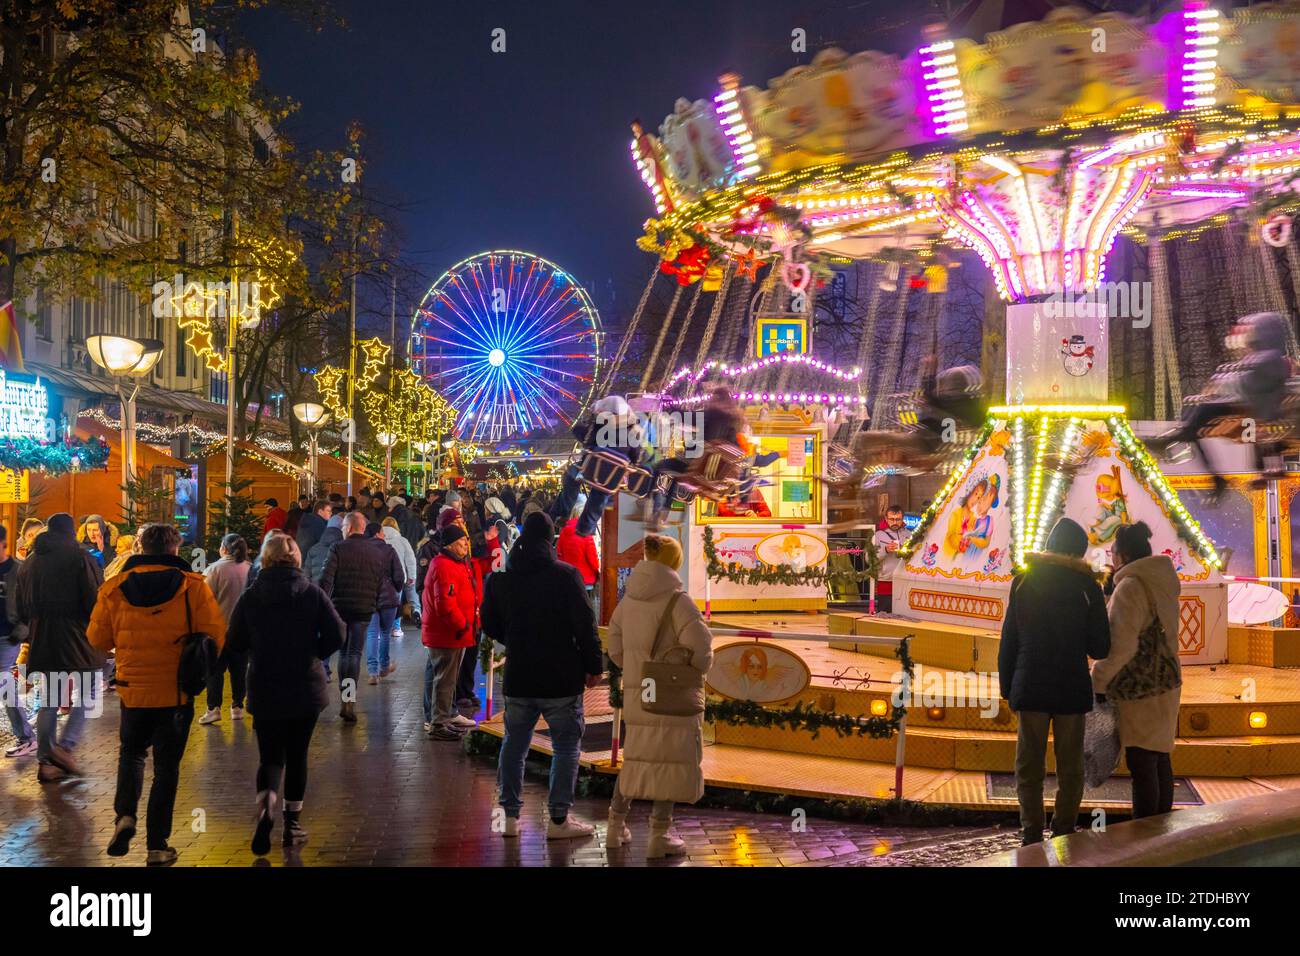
663, 755
287, 627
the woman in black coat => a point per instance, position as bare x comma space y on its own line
287, 626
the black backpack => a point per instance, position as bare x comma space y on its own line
197, 656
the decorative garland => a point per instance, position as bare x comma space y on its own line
801, 716
783, 574
53, 458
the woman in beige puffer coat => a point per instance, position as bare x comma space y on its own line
1146, 586
663, 756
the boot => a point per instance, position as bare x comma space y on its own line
294, 834
662, 843
617, 834
348, 713
61, 757
265, 820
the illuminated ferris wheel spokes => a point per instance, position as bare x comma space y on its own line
511, 340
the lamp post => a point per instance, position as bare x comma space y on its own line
388, 440
314, 417
125, 358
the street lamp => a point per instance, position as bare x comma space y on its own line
125, 358
424, 447
314, 417
388, 440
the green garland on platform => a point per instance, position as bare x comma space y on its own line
785, 575
53, 458
801, 716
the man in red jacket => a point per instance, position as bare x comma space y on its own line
449, 629
275, 516
579, 552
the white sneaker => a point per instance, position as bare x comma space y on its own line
427, 726
236, 713
512, 827
570, 829
211, 716
24, 749
462, 721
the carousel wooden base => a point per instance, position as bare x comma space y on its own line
1238, 734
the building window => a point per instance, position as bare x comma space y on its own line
44, 314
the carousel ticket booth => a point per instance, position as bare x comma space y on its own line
779, 521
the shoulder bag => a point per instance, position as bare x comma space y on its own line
670, 686
1153, 669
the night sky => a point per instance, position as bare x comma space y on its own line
529, 149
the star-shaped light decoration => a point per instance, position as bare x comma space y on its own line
376, 353
748, 264
195, 305
215, 362
200, 340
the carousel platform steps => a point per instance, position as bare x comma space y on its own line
821, 777
1217, 700
996, 752
1264, 646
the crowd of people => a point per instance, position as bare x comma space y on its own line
329, 582
289, 620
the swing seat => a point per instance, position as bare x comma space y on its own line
684, 491
604, 470
640, 482
716, 473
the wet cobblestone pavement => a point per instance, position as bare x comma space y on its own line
381, 794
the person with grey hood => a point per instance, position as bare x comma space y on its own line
1055, 621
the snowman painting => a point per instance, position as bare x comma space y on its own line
1076, 355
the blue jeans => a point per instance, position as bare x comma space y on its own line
412, 596
54, 694
378, 634
570, 488
11, 693
565, 719
350, 654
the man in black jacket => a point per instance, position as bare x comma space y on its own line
354, 580
312, 525
57, 586
538, 609
1056, 619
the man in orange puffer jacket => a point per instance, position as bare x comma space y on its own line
141, 614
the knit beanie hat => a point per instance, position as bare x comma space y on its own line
1068, 538
538, 526
447, 516
664, 550
61, 523
394, 501
452, 533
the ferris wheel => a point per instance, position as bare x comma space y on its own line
510, 340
